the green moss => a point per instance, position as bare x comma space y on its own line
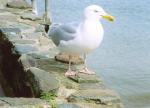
50, 97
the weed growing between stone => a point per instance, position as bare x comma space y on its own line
49, 97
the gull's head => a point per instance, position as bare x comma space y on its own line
95, 12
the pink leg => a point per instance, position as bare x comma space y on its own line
85, 69
69, 71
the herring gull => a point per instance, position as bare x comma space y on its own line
80, 38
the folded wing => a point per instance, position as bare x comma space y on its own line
59, 32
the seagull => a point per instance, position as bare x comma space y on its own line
80, 38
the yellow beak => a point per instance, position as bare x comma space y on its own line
108, 17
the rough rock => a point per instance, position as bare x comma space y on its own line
27, 61
3, 3
40, 28
85, 86
43, 40
23, 103
68, 105
93, 105
30, 16
63, 57
33, 36
64, 92
85, 78
8, 17
41, 80
24, 41
39, 55
106, 97
13, 36
25, 48
21, 4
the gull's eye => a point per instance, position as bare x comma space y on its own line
95, 11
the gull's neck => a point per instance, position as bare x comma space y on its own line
92, 27
91, 20
92, 23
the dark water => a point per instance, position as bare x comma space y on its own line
123, 59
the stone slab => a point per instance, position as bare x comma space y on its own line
27, 61
45, 81
3, 4
24, 41
63, 57
68, 105
32, 35
85, 78
23, 103
30, 16
106, 97
8, 17
21, 4
13, 36
25, 48
85, 86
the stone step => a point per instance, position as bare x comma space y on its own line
30, 16
23, 103
98, 96
25, 41
25, 48
21, 4
85, 86
42, 81
85, 78
68, 105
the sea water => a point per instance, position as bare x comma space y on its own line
123, 59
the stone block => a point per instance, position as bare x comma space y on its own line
40, 28
3, 4
23, 103
4, 17
42, 81
68, 105
13, 36
63, 57
43, 40
105, 97
27, 61
40, 55
34, 36
65, 92
85, 78
24, 41
25, 48
85, 86
30, 16
21, 4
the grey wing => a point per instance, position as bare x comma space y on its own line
62, 32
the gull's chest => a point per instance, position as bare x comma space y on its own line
92, 33
90, 36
